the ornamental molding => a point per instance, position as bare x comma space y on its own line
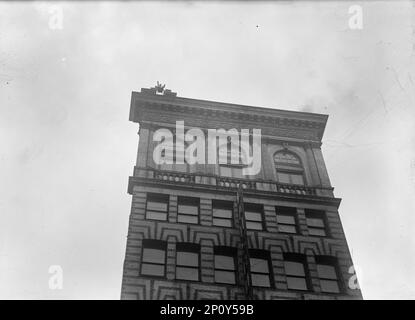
148, 106
312, 199
271, 136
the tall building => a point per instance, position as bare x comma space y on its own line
206, 231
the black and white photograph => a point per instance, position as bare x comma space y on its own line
207, 150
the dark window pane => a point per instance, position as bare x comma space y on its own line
260, 280
287, 229
316, 232
225, 171
152, 269
188, 209
224, 262
187, 259
285, 219
158, 206
329, 286
297, 179
237, 172
283, 177
222, 213
326, 271
253, 216
254, 225
185, 273
294, 268
222, 222
296, 283
180, 167
259, 265
315, 222
156, 215
166, 167
153, 255
225, 276
187, 219
223, 150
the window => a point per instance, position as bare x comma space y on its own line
289, 168
153, 260
328, 274
290, 178
222, 213
296, 271
260, 268
225, 265
225, 171
187, 261
170, 156
316, 223
225, 150
286, 219
188, 210
231, 171
157, 206
253, 216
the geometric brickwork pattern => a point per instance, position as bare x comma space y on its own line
300, 133
208, 236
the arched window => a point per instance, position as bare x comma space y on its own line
289, 168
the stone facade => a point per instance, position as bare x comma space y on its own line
293, 132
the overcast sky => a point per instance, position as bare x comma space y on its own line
67, 147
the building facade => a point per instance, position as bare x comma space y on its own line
206, 231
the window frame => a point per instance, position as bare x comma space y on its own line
290, 212
301, 259
226, 252
155, 196
289, 169
235, 168
320, 215
176, 167
254, 208
189, 248
332, 262
158, 245
191, 201
290, 174
266, 256
226, 205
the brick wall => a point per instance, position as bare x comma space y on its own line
137, 287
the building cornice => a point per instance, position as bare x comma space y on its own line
153, 126
148, 106
209, 182
311, 199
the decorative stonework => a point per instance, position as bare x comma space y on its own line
147, 105
296, 131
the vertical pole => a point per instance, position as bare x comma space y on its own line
244, 244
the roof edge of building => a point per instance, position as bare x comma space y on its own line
139, 101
